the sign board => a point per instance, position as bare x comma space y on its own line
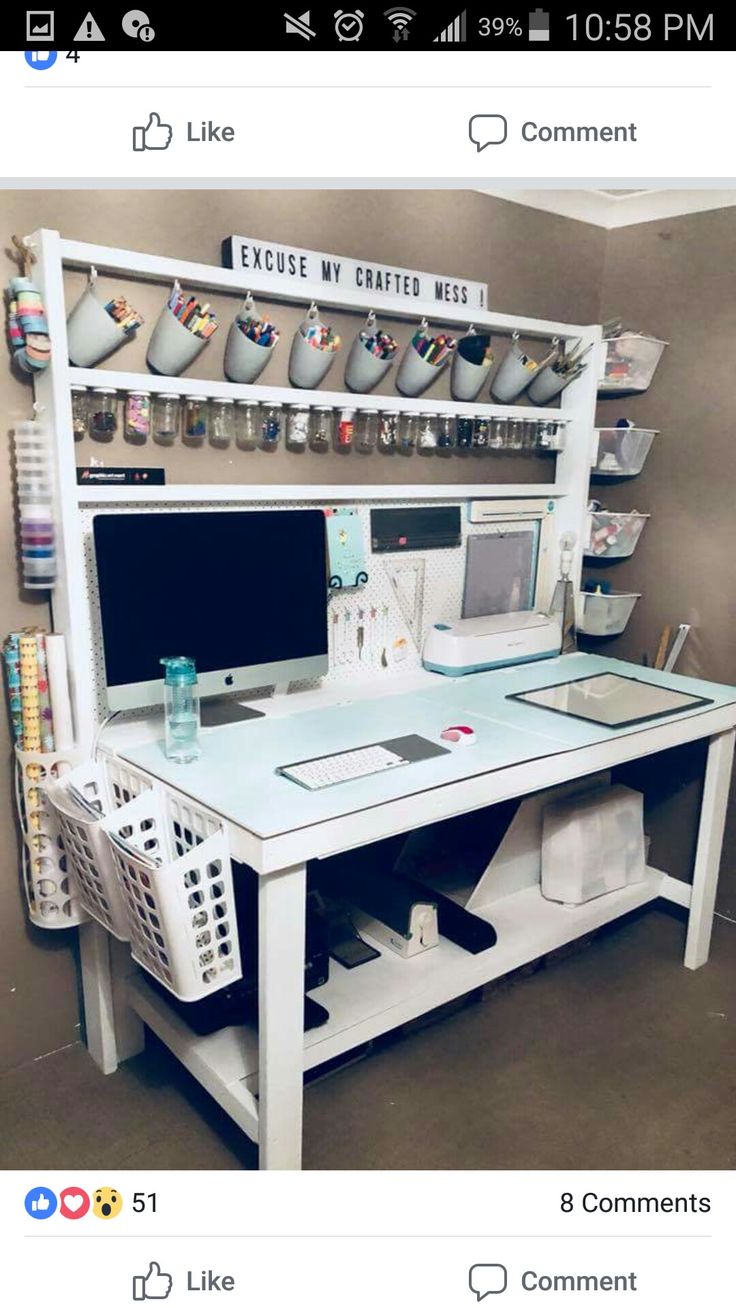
294, 265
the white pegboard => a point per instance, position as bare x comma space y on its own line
388, 647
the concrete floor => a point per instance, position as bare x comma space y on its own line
612, 1056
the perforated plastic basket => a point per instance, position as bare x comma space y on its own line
50, 885
173, 866
87, 848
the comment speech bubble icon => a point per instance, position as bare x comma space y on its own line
487, 1278
487, 129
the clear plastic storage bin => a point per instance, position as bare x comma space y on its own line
622, 451
592, 844
173, 867
614, 535
630, 364
605, 615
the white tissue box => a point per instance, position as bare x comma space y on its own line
593, 844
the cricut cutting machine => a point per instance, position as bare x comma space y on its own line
478, 644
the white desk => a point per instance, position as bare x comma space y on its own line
275, 827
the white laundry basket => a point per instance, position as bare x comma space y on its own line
605, 615
622, 451
88, 850
175, 877
50, 886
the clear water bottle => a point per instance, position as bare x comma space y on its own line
181, 700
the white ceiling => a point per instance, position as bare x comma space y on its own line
618, 207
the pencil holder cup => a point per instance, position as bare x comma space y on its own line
50, 884
467, 378
91, 333
513, 375
308, 365
416, 375
87, 849
172, 347
245, 359
546, 384
363, 371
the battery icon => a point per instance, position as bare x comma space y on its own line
539, 26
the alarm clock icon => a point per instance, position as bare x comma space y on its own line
349, 24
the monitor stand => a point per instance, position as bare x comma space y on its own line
218, 710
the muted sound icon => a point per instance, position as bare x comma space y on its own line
300, 26
456, 32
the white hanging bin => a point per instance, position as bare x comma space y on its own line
245, 359
87, 848
630, 363
546, 385
173, 867
622, 451
92, 333
605, 615
172, 347
614, 535
363, 371
514, 374
416, 375
50, 886
308, 364
467, 378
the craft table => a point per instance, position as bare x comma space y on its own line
276, 826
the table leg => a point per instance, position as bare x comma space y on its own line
113, 1031
281, 943
708, 852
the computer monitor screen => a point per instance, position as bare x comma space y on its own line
242, 593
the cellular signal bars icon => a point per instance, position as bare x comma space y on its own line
456, 32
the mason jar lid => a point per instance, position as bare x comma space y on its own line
168, 395
196, 399
217, 400
247, 404
79, 388
104, 390
143, 393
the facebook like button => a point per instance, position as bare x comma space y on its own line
40, 1203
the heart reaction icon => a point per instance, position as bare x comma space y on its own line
74, 1203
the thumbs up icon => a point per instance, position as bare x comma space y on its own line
154, 1285
154, 136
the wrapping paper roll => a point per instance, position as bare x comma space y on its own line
11, 654
29, 693
61, 705
44, 696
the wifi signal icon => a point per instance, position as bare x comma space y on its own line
400, 20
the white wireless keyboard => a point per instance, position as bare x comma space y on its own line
318, 773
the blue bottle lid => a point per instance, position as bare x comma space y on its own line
180, 671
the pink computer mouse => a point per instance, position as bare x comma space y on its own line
458, 735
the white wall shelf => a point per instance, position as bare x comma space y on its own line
224, 390
322, 494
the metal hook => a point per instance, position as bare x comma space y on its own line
471, 329
371, 319
313, 311
38, 408
92, 274
248, 302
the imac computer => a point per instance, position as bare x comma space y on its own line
243, 593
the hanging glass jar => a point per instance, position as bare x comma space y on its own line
297, 427
499, 432
366, 430
428, 430
409, 433
480, 434
196, 424
222, 424
345, 429
271, 420
138, 417
80, 412
165, 424
104, 420
247, 424
388, 431
516, 434
464, 432
323, 430
445, 433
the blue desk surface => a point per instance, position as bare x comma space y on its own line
236, 777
